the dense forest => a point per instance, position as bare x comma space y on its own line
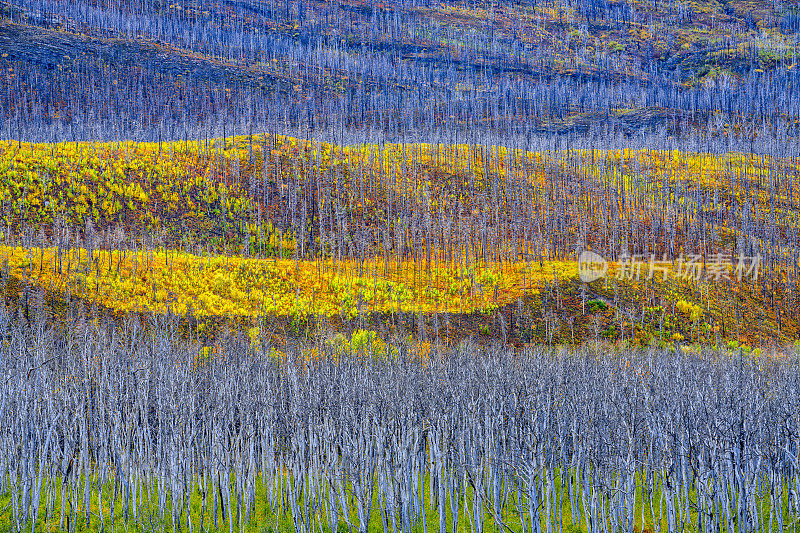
104, 427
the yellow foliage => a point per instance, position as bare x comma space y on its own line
244, 287
694, 311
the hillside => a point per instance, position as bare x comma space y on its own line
400, 266
443, 242
151, 70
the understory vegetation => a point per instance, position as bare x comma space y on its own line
700, 247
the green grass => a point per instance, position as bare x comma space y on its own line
265, 520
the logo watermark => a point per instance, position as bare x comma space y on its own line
718, 267
591, 266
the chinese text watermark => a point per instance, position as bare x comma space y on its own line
718, 267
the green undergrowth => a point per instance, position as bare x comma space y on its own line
263, 518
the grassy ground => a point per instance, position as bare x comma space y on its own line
265, 519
